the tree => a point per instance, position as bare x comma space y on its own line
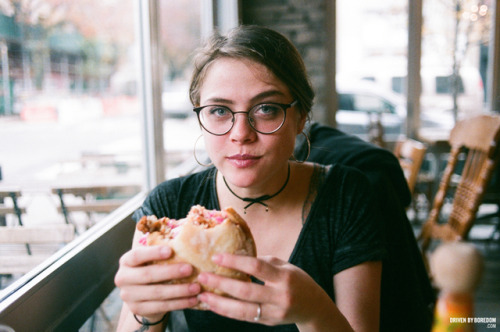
472, 21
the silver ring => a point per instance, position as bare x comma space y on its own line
259, 313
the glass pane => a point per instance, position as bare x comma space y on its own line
454, 59
399, 84
368, 104
180, 36
69, 120
371, 65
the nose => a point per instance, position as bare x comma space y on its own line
242, 131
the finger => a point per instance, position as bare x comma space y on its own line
143, 255
238, 289
150, 308
231, 308
151, 274
159, 292
265, 269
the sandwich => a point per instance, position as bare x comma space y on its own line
199, 236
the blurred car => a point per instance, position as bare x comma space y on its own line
175, 100
437, 91
437, 88
362, 103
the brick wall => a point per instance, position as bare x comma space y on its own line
303, 22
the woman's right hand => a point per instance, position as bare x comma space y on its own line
144, 287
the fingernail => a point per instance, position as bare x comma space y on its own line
186, 269
194, 301
165, 251
202, 278
194, 288
217, 258
202, 297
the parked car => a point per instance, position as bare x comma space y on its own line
361, 103
436, 88
175, 100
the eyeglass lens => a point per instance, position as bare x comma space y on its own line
264, 118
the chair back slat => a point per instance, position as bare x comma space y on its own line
477, 133
477, 138
410, 154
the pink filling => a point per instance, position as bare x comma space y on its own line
209, 215
215, 215
144, 239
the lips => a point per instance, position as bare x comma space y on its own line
243, 160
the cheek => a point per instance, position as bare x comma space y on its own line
290, 135
283, 145
213, 144
289, 145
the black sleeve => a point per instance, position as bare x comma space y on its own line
357, 229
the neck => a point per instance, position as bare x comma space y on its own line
258, 200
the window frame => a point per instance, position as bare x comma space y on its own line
65, 290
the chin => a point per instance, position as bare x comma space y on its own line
242, 178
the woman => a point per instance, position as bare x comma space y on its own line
316, 231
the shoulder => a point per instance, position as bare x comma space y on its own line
173, 198
333, 175
191, 182
344, 191
344, 175
329, 145
334, 145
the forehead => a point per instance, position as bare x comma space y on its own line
239, 78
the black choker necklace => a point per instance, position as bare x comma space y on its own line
259, 200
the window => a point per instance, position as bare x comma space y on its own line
346, 102
366, 103
455, 36
398, 84
444, 84
180, 35
75, 121
69, 117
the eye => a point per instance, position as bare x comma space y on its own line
217, 111
267, 111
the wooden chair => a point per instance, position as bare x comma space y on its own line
13, 194
44, 240
95, 198
410, 154
15, 209
474, 142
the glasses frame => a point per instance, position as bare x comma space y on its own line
284, 107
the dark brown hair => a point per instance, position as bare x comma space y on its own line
264, 46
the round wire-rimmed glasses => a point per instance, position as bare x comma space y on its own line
265, 118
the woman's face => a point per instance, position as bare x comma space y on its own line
245, 157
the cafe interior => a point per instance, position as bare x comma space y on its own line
95, 113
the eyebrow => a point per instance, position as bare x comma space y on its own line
262, 95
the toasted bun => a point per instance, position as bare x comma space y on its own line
199, 236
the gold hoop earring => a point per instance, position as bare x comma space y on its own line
308, 149
194, 154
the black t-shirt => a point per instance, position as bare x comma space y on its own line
407, 296
341, 231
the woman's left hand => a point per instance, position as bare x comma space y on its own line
289, 295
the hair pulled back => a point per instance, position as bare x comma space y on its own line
264, 46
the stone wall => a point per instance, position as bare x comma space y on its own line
303, 22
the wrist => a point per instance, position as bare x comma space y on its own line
149, 320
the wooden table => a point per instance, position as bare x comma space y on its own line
102, 198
